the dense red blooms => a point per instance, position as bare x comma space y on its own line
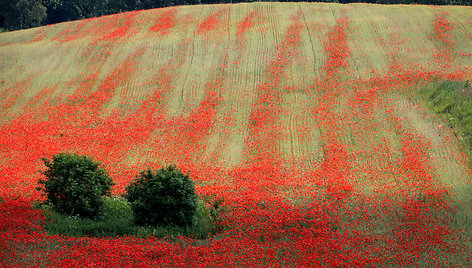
336, 47
211, 22
165, 21
369, 195
442, 37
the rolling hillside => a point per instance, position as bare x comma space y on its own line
300, 116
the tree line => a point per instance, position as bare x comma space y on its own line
23, 14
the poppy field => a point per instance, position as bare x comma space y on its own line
300, 117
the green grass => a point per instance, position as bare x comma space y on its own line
452, 100
116, 219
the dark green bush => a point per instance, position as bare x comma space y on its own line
75, 185
165, 197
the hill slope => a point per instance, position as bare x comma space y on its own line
296, 114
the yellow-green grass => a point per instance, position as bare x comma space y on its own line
376, 33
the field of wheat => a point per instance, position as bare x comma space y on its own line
298, 116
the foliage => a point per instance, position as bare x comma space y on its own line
164, 197
116, 220
67, 10
21, 14
75, 185
452, 99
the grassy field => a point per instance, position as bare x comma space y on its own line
312, 121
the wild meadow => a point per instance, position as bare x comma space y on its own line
307, 121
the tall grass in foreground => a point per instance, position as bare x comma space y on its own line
117, 220
452, 100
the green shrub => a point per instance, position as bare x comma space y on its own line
117, 218
216, 210
75, 185
165, 197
